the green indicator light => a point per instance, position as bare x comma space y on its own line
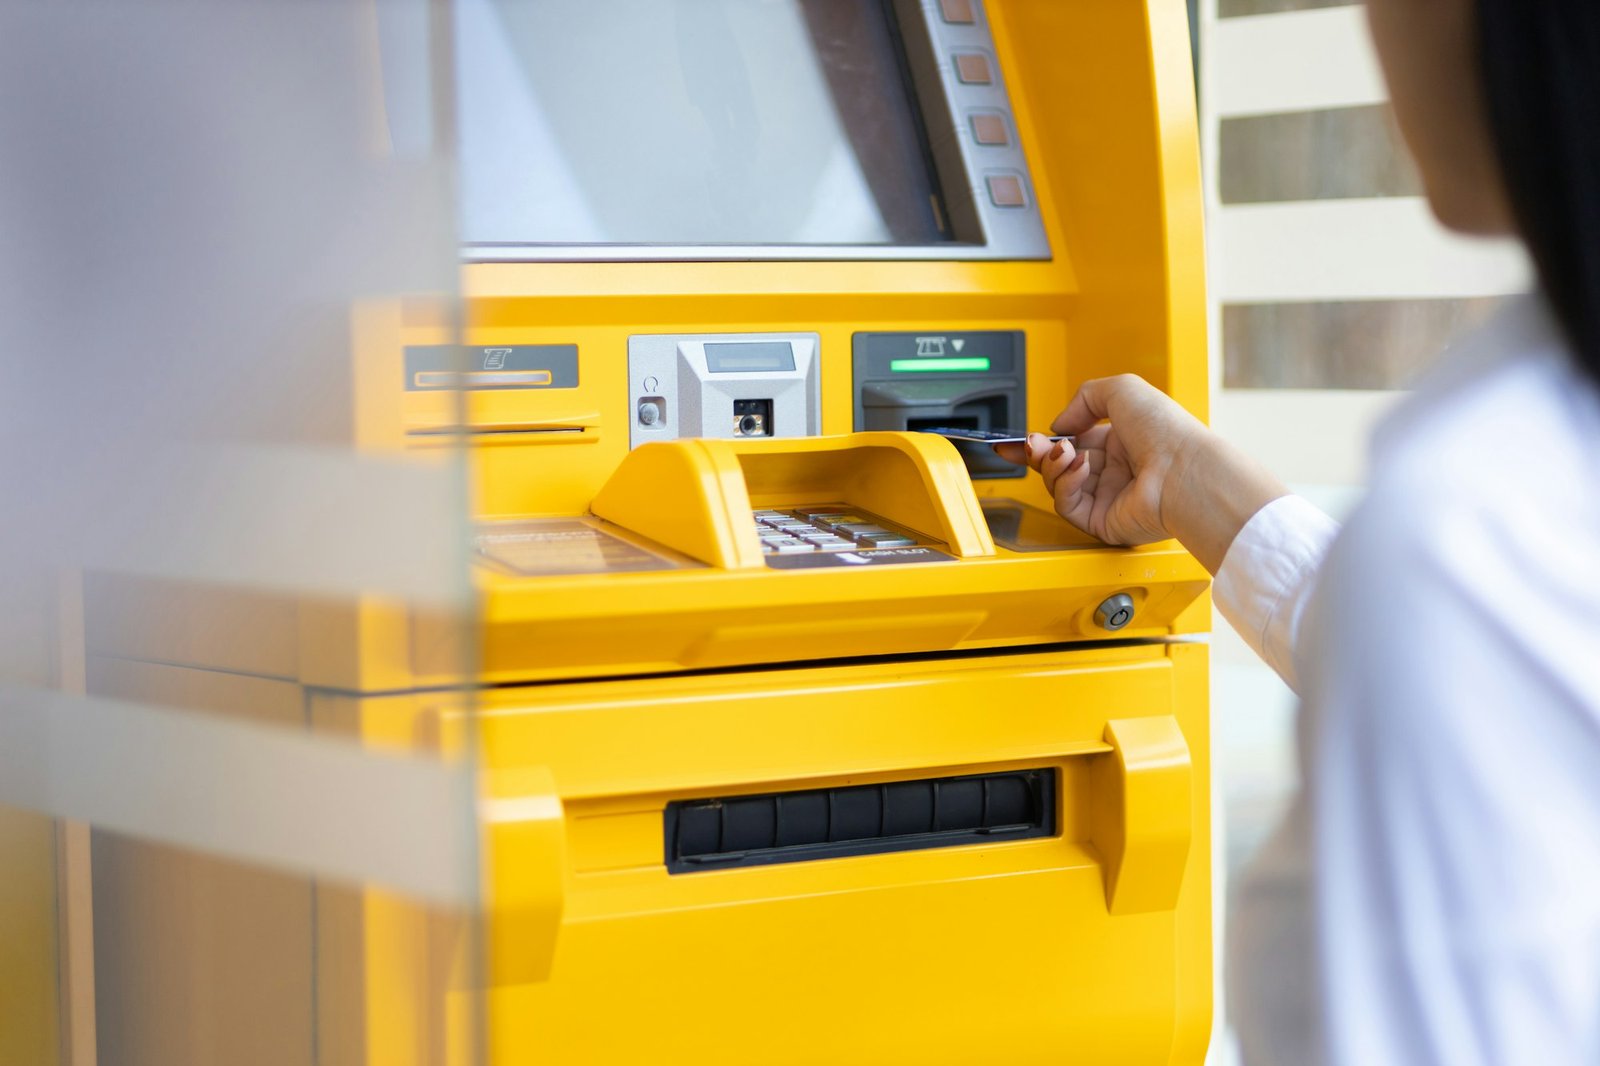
935, 366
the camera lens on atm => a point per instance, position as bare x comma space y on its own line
752, 418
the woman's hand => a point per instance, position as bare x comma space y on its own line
1144, 469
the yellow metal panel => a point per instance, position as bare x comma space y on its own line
1191, 688
687, 495
1104, 95
797, 727
606, 624
905, 955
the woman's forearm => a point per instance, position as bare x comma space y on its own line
1212, 490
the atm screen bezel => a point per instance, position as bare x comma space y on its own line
983, 230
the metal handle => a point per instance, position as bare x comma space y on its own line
1143, 817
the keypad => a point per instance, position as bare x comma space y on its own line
831, 528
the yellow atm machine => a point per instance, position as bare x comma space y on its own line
807, 737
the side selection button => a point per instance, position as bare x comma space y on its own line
973, 69
1005, 190
958, 12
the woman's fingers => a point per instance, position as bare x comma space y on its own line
1069, 477
1014, 453
1095, 437
1057, 461
1108, 494
1075, 492
1032, 452
1089, 406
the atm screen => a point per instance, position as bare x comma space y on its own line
690, 122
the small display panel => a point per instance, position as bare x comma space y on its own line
760, 358
690, 122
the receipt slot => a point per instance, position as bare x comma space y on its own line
914, 381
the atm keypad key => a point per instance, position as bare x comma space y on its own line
829, 528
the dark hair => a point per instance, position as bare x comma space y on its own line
1540, 61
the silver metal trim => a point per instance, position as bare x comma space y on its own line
711, 253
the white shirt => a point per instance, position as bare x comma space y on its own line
1433, 896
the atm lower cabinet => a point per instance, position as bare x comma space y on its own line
971, 859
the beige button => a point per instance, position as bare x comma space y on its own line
989, 129
974, 69
958, 11
1005, 190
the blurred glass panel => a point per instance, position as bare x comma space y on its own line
221, 844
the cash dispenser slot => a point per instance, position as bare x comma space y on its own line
829, 823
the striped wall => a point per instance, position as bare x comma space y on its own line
1327, 271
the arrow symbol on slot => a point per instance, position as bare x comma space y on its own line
958, 344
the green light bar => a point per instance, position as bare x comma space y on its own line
935, 366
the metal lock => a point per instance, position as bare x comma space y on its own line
1115, 613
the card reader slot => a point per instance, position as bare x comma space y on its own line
829, 823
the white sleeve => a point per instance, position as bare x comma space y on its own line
1268, 574
1452, 716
